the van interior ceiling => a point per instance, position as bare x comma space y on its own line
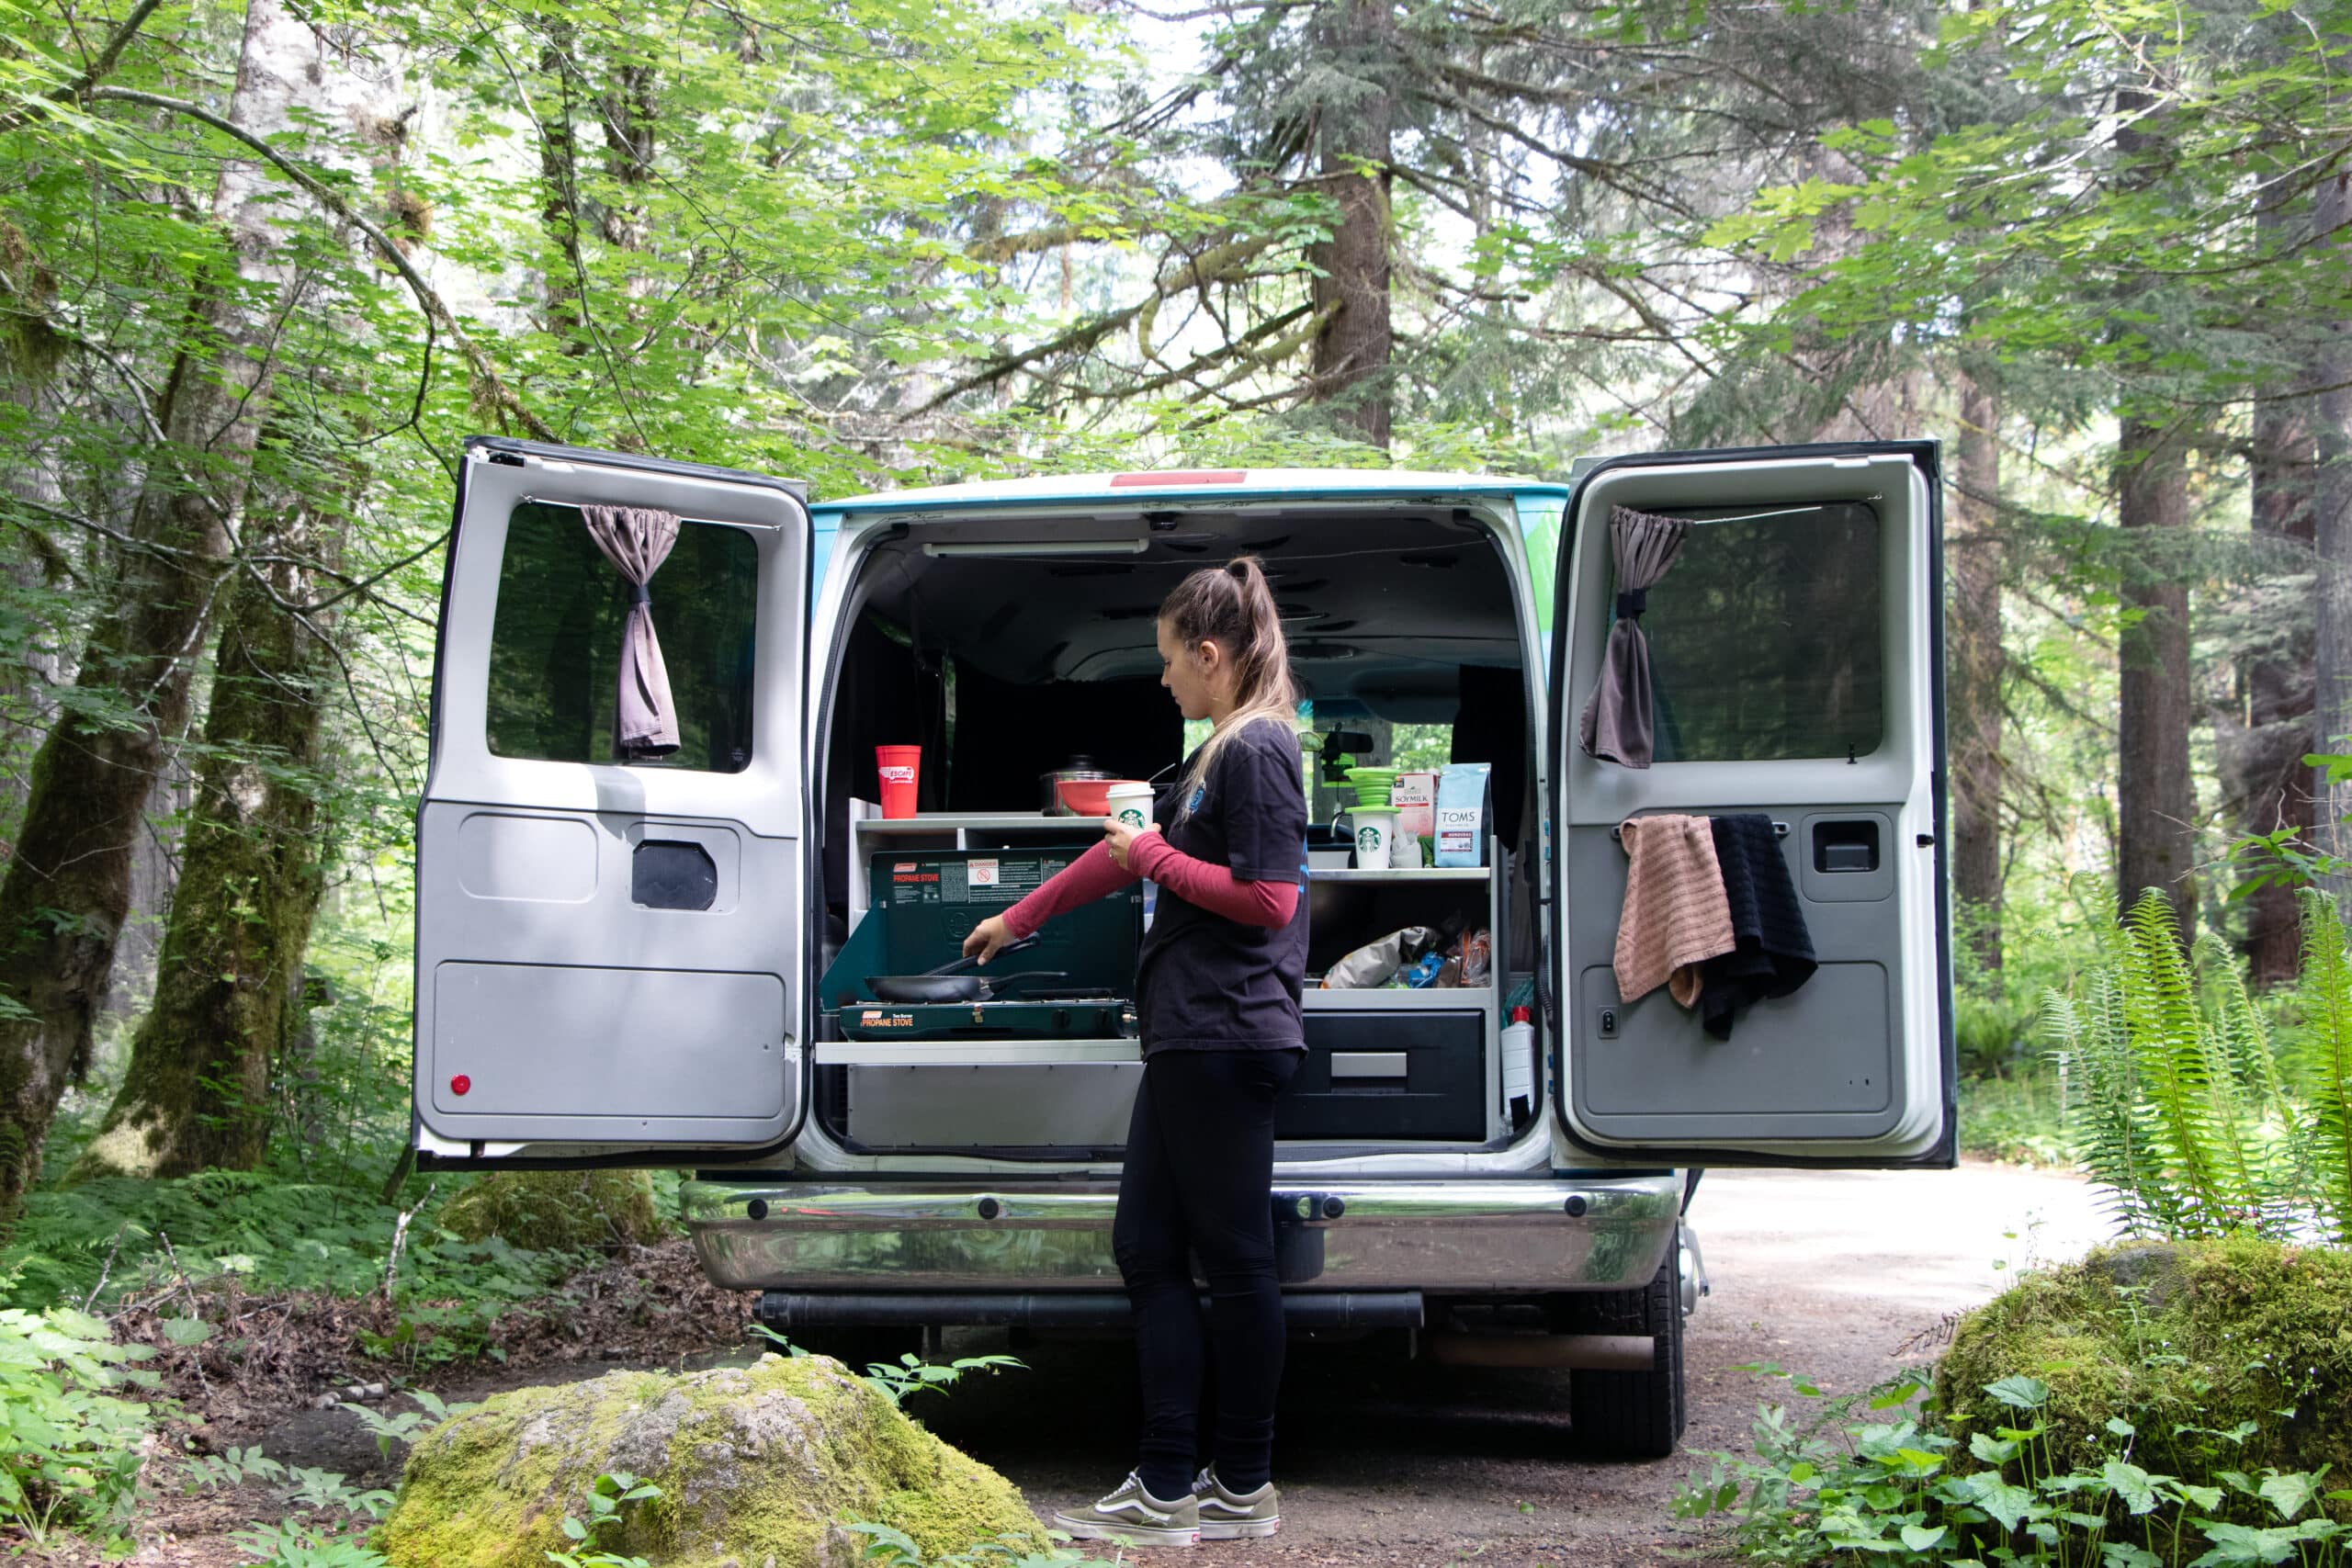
1003, 665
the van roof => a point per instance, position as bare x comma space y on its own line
1194, 483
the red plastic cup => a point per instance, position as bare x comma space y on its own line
900, 767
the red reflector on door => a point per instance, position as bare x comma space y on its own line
1179, 477
460, 1084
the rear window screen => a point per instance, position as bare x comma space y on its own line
556, 640
1765, 638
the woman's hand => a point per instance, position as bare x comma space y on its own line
1121, 838
987, 937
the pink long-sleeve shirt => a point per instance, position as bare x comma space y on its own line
1095, 874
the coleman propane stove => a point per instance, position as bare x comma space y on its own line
1081, 968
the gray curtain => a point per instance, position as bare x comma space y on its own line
637, 540
1616, 725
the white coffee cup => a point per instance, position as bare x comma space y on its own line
1373, 829
1130, 804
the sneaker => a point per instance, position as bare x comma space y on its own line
1133, 1514
1231, 1516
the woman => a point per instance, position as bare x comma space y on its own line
1216, 994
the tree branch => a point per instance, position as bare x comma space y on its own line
486, 377
96, 71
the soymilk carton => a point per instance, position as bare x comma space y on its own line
1415, 798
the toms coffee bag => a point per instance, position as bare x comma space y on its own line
1461, 814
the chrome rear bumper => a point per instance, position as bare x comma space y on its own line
1462, 1237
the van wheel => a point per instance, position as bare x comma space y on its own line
1633, 1415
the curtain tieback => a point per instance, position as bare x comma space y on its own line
1630, 606
640, 594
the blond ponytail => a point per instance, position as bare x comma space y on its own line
1233, 606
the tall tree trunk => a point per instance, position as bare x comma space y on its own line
1355, 135
196, 1094
65, 892
2332, 548
559, 190
1974, 645
2156, 800
2260, 746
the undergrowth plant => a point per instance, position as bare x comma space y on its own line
892, 1548
71, 1447
2182, 1102
1873, 1476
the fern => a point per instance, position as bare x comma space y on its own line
2324, 1058
2174, 1095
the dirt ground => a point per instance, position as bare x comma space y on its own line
1844, 1277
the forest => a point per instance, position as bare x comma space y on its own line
265, 264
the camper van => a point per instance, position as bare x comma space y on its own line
665, 957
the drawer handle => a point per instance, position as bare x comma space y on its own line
1367, 1063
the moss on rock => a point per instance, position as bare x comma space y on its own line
545, 1209
2182, 1340
754, 1463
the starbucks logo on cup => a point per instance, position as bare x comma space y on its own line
1367, 840
1130, 817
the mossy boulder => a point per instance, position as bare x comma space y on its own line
757, 1464
549, 1208
2183, 1340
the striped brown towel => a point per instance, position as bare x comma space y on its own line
1676, 916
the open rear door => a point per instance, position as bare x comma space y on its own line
1795, 672
609, 960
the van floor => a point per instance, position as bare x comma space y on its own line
1383, 1462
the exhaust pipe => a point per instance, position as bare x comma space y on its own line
1576, 1352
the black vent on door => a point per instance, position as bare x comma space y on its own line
667, 874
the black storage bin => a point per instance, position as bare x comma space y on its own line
1403, 1074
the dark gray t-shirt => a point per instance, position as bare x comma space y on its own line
1205, 982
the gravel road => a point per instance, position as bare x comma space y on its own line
1381, 1462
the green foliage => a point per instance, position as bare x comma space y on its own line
1881, 1476
910, 1373
608, 1501
292, 1543
398, 1430
2226, 1353
70, 1445
2015, 1114
567, 1210
2178, 1099
891, 1548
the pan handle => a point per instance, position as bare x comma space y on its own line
957, 966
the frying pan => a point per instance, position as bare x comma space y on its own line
945, 985
951, 987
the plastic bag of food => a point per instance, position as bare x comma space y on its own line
1376, 962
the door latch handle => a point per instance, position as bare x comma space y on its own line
1608, 1023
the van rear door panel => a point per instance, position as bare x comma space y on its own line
1795, 658
609, 958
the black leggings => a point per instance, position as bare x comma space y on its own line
1198, 1180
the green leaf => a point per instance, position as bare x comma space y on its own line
2019, 1391
2132, 1483
574, 1529
1920, 1538
2290, 1494
1991, 1451
186, 1330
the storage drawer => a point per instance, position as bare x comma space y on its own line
1383, 1075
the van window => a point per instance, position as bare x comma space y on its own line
555, 642
1765, 637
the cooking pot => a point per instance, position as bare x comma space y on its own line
1081, 770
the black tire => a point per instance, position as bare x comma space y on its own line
1633, 1415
